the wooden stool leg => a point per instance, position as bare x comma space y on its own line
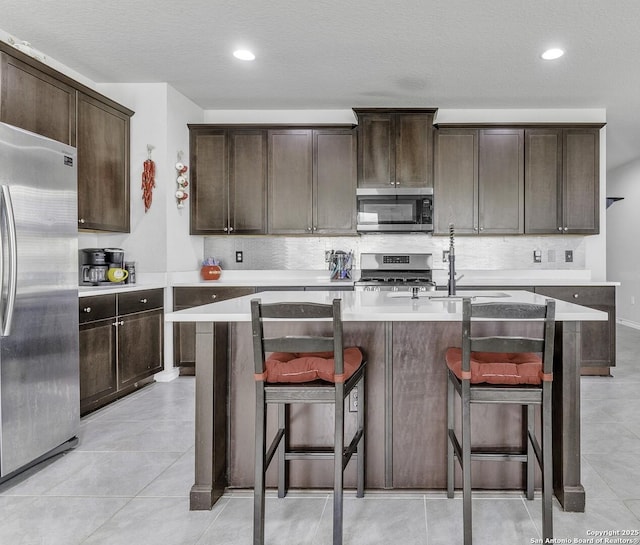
361, 449
547, 465
259, 481
283, 465
338, 453
531, 457
450, 424
466, 463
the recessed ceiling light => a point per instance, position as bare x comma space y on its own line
551, 54
244, 55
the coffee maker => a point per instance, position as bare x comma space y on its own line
95, 262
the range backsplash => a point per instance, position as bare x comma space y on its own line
482, 253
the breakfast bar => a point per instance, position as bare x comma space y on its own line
404, 338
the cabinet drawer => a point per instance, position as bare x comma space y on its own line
95, 308
196, 296
581, 295
139, 301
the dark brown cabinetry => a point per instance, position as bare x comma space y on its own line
184, 333
395, 148
598, 339
103, 166
228, 180
35, 97
121, 344
562, 181
312, 181
479, 181
35, 101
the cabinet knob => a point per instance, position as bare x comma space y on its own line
481, 228
475, 228
86, 309
559, 228
143, 301
225, 229
121, 322
315, 228
81, 220
214, 296
308, 228
566, 228
576, 295
230, 229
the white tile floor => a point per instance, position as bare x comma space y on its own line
128, 483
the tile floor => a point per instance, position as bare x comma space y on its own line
128, 483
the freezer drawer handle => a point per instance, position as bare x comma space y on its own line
12, 254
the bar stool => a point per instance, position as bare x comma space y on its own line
304, 369
501, 369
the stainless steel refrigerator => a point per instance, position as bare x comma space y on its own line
39, 375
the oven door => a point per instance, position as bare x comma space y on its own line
394, 213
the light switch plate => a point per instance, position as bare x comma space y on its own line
537, 256
568, 256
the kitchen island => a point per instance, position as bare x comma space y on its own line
404, 340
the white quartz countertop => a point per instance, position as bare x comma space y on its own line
379, 306
106, 289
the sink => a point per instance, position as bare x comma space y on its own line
437, 296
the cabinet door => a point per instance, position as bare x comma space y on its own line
103, 166
581, 181
248, 181
98, 382
37, 102
501, 181
140, 346
414, 150
209, 174
184, 334
455, 198
598, 339
543, 181
334, 181
376, 145
290, 182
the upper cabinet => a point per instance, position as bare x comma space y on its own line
562, 180
35, 97
228, 180
312, 181
479, 181
35, 101
395, 148
103, 166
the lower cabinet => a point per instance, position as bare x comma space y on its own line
121, 344
184, 334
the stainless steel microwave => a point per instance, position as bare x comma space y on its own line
397, 210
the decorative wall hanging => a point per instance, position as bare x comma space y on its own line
148, 179
181, 180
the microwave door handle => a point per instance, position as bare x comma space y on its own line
7, 319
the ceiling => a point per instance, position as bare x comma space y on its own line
338, 54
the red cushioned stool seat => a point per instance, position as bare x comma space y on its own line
309, 366
497, 367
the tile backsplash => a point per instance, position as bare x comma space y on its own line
490, 253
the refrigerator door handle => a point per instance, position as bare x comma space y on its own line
9, 307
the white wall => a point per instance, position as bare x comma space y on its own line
623, 226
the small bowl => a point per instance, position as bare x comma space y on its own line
210, 272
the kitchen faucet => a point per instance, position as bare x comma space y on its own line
452, 261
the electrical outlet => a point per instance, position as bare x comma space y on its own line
568, 256
353, 400
239, 256
327, 256
445, 256
537, 256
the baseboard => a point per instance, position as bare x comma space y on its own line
628, 323
167, 375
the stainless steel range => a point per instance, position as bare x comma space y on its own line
395, 272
